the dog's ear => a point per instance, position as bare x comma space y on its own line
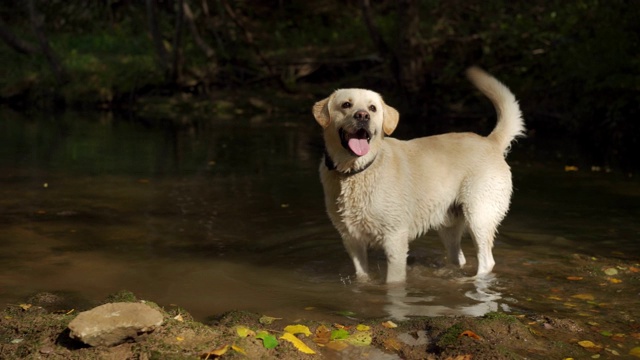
321, 112
390, 119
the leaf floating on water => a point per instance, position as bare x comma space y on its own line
392, 344
389, 324
268, 320
25, 307
606, 333
635, 352
552, 297
611, 271
346, 313
362, 327
574, 278
302, 347
615, 281
569, 168
337, 345
634, 269
298, 329
470, 334
583, 297
244, 331
268, 341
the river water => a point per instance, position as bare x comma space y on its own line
228, 214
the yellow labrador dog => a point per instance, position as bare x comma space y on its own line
384, 192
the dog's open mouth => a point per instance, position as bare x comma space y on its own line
357, 142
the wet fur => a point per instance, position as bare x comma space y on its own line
453, 183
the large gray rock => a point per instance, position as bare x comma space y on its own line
114, 323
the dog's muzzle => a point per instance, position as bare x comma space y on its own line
356, 142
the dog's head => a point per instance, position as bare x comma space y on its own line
354, 122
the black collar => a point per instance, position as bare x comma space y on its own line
328, 162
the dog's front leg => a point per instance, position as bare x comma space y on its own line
396, 248
357, 250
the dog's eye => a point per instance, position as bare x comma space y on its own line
346, 105
372, 108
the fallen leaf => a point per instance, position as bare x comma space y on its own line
392, 344
25, 307
389, 324
470, 334
179, 338
309, 308
322, 336
178, 318
587, 344
298, 329
554, 298
346, 313
215, 352
360, 338
583, 297
635, 336
615, 281
339, 334
634, 269
302, 347
238, 349
611, 271
337, 345
606, 333
362, 327
244, 331
569, 168
574, 278
635, 352
268, 320
340, 326
268, 341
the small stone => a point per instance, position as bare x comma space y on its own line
114, 323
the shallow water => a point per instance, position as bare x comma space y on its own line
215, 215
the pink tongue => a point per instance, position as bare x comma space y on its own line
359, 147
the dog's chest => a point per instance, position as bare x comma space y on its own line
358, 208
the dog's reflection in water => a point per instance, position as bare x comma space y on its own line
401, 305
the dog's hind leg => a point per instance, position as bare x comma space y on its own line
450, 236
357, 250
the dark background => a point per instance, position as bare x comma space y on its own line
574, 65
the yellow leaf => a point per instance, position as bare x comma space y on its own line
244, 331
389, 324
216, 352
178, 318
267, 320
615, 281
568, 168
554, 298
238, 349
586, 344
360, 338
25, 306
583, 297
302, 347
298, 329
635, 352
392, 344
179, 338
362, 327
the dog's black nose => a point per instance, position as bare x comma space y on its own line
361, 115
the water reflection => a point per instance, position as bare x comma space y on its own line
216, 215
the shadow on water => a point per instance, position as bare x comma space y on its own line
218, 215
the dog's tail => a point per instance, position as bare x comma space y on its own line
510, 124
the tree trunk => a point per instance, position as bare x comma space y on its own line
15, 42
161, 53
57, 68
